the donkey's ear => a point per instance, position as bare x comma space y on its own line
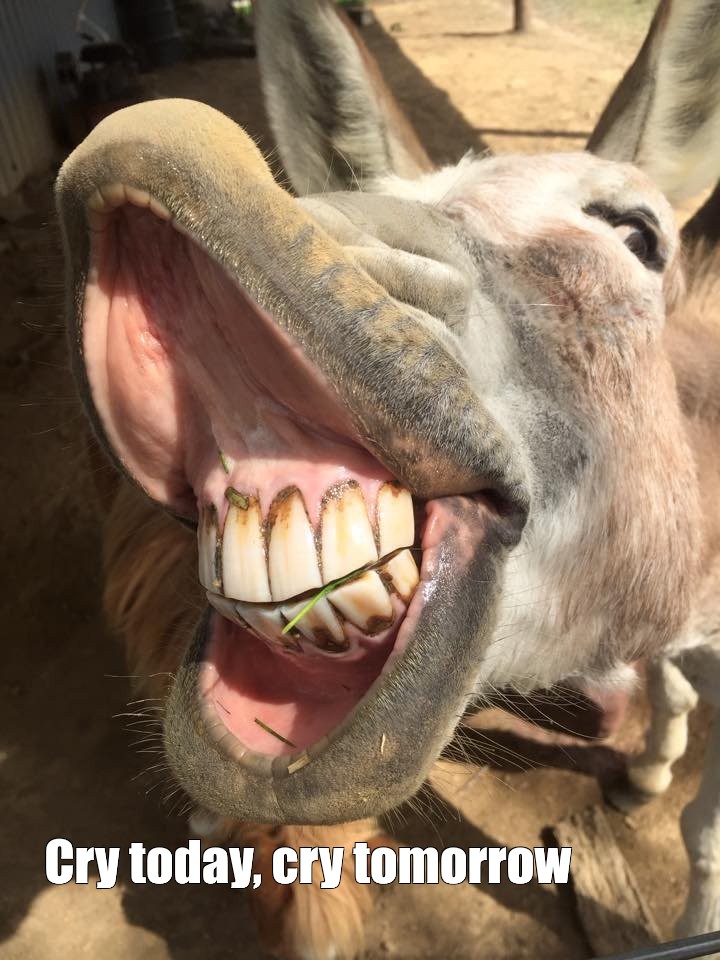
665, 115
335, 122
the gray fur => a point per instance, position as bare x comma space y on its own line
667, 105
334, 128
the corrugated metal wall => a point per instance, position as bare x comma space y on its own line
31, 33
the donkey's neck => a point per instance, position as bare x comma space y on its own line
693, 342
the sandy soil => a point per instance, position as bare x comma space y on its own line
66, 768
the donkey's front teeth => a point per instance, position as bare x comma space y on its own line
320, 625
348, 541
244, 568
364, 602
209, 549
225, 607
401, 573
269, 561
265, 620
292, 560
396, 520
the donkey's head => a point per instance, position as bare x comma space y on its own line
460, 371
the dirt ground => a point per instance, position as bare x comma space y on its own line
66, 767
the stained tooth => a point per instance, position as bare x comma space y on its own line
364, 602
396, 521
225, 607
292, 560
348, 541
267, 621
244, 568
320, 625
209, 549
402, 574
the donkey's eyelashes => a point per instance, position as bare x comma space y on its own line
638, 229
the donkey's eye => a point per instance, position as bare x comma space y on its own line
639, 238
638, 229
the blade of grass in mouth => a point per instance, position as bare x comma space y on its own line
273, 733
334, 584
328, 588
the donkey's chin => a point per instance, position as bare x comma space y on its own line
284, 731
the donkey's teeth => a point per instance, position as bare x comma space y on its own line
244, 569
225, 607
209, 549
266, 621
320, 624
347, 538
282, 559
402, 574
364, 602
396, 520
292, 559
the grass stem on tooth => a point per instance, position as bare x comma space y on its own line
328, 588
236, 498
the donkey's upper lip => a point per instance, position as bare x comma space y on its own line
400, 386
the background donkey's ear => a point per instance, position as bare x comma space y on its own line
665, 115
335, 122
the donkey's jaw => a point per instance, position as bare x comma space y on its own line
255, 440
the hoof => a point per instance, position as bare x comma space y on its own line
624, 796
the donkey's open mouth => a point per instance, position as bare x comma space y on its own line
353, 496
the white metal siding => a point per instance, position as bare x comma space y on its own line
31, 33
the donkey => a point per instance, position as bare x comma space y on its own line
395, 407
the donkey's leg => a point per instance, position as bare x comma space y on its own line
671, 698
701, 831
301, 921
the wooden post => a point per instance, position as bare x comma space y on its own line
522, 16
610, 905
